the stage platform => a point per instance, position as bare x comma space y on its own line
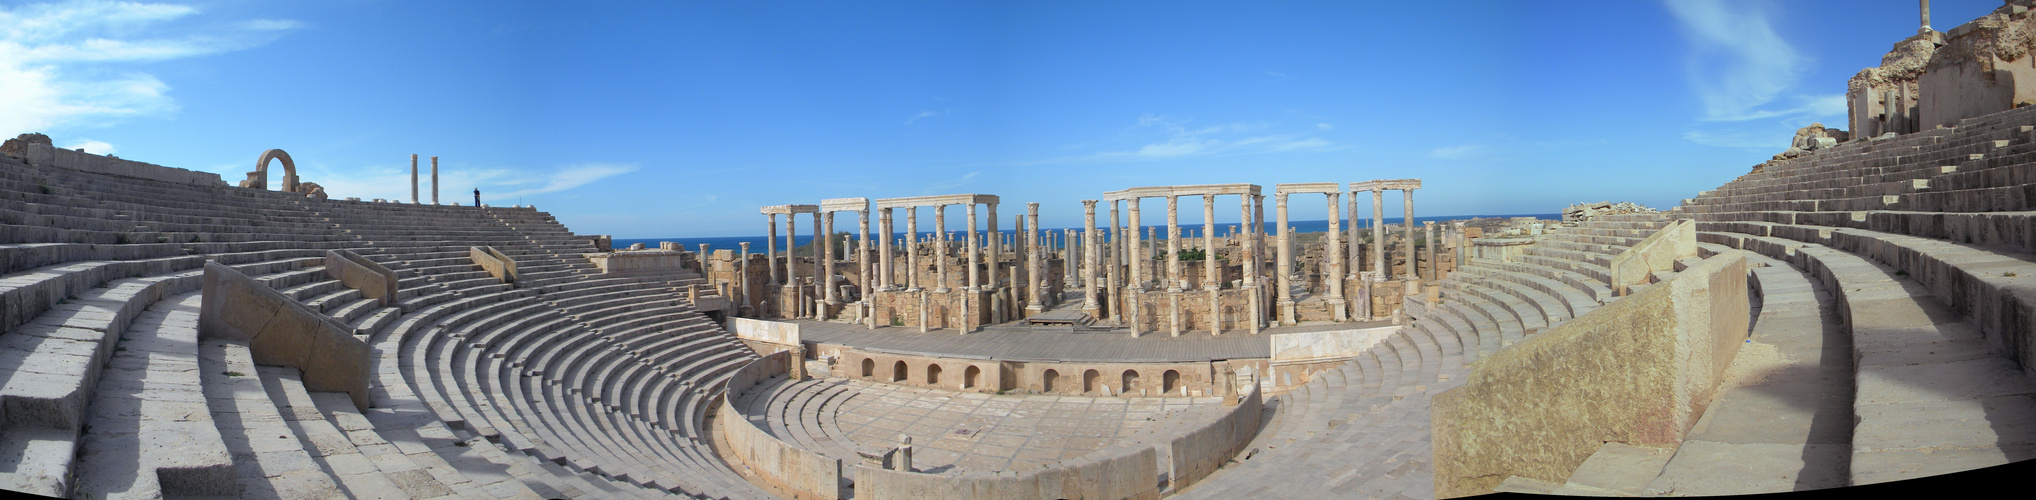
1016, 342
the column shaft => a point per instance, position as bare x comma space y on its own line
771, 248
1378, 234
940, 248
1407, 220
912, 248
1089, 253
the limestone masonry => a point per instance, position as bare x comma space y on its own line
1853, 311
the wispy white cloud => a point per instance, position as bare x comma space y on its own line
92, 146
1457, 152
576, 176
943, 186
58, 61
1325, 126
924, 114
1738, 65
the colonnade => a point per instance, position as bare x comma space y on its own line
1251, 212
1340, 265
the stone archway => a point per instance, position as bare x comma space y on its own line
259, 178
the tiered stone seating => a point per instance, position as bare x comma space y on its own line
1923, 239
108, 393
1360, 429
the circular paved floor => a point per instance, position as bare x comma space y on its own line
985, 432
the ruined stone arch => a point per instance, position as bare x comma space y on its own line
259, 178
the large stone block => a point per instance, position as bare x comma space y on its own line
1638, 371
282, 332
356, 272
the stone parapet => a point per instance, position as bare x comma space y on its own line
1638, 371
1122, 471
46, 156
359, 273
1199, 452
1658, 253
803, 473
279, 331
500, 266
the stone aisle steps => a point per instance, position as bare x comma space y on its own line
151, 433
1958, 405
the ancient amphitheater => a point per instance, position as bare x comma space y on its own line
1856, 311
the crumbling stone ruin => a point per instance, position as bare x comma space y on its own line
1586, 211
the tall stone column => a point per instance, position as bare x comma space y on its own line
1283, 272
1173, 243
1113, 292
975, 252
1378, 234
1407, 220
434, 180
790, 308
771, 248
1173, 263
1069, 262
1089, 253
1257, 235
996, 253
742, 269
1035, 281
940, 248
1429, 249
912, 250
825, 265
1351, 256
1248, 264
885, 229
823, 270
1462, 246
413, 178
1138, 259
1332, 272
1212, 276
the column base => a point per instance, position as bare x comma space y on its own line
1286, 308
1338, 307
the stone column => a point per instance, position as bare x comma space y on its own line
1462, 246
1351, 251
1212, 276
1089, 254
1926, 18
1257, 238
1378, 233
940, 248
822, 276
1073, 266
975, 252
886, 227
434, 180
996, 240
791, 268
1137, 256
1332, 255
1407, 219
1429, 249
1246, 262
771, 248
1113, 292
1034, 266
825, 265
912, 249
743, 270
1173, 244
413, 178
1173, 263
1283, 272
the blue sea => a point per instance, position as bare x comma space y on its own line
756, 243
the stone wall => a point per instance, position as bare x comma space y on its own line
639, 262
45, 156
1199, 452
356, 272
1121, 471
804, 473
990, 376
1657, 253
1639, 370
281, 332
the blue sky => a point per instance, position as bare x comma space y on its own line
668, 119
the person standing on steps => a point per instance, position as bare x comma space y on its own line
477, 197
